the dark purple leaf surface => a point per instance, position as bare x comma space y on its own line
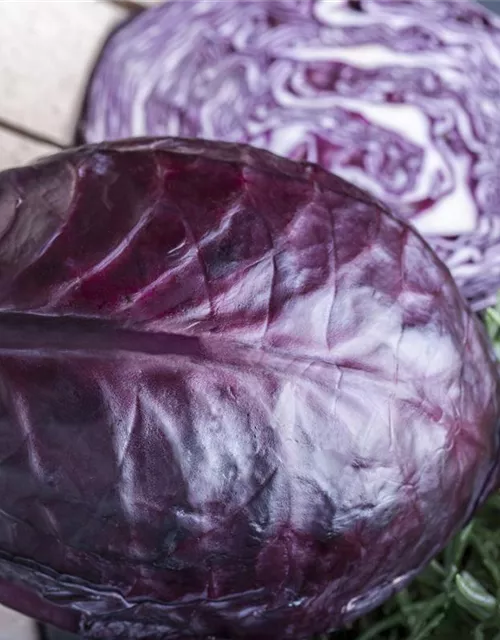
237, 396
399, 97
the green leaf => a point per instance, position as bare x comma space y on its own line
487, 551
429, 628
404, 601
478, 633
454, 553
494, 501
429, 610
384, 625
493, 317
472, 596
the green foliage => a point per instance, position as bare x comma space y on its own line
457, 597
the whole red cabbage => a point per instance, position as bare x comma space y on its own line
237, 396
399, 97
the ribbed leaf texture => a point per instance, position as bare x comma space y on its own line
400, 97
238, 398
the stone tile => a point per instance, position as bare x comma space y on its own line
16, 150
47, 51
14, 626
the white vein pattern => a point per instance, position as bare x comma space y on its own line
400, 98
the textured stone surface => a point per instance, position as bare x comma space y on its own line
14, 626
47, 51
18, 150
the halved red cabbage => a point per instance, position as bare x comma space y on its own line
237, 396
400, 97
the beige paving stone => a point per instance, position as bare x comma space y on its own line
16, 150
47, 51
14, 626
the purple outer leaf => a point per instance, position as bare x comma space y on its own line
401, 98
237, 396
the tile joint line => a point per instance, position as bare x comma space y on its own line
28, 133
